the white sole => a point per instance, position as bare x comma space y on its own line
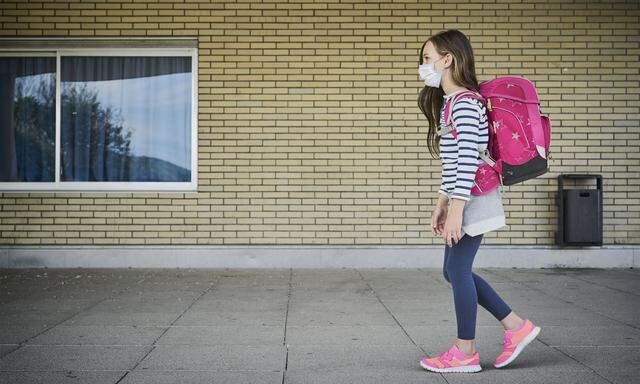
464, 369
529, 338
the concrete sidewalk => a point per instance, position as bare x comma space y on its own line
306, 325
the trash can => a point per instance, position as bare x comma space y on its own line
579, 212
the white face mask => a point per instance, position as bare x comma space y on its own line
429, 74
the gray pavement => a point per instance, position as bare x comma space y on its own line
306, 325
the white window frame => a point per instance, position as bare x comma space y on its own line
112, 186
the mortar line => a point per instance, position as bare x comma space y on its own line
166, 329
562, 299
604, 286
44, 330
576, 360
286, 319
542, 342
397, 322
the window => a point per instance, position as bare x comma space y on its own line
117, 119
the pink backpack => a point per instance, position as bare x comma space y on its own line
519, 136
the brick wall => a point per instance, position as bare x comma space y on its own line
309, 131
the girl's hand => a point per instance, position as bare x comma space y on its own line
438, 218
453, 226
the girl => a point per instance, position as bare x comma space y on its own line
460, 218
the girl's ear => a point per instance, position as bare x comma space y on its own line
448, 61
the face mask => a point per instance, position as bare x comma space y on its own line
429, 75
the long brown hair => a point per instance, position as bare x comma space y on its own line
463, 74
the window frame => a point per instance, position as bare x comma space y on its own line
109, 186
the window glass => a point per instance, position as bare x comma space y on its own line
27, 119
126, 118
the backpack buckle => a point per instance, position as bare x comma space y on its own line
444, 129
484, 155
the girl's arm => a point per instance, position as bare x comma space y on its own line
442, 190
443, 201
466, 117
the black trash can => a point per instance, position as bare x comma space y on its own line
579, 212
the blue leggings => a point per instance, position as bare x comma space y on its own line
469, 289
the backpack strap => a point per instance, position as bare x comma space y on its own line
448, 111
484, 155
448, 108
448, 126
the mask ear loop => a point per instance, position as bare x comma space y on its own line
443, 57
453, 62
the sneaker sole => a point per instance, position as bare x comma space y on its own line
529, 338
462, 369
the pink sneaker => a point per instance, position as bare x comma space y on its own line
514, 342
453, 360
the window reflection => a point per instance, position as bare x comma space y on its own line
27, 119
126, 118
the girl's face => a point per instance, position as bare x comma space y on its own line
431, 56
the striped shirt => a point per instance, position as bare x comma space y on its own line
460, 160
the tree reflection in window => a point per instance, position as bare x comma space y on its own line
126, 118
27, 119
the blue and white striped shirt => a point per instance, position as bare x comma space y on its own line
460, 160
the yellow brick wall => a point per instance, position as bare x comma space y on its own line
309, 131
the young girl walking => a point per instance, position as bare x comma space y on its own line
460, 218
